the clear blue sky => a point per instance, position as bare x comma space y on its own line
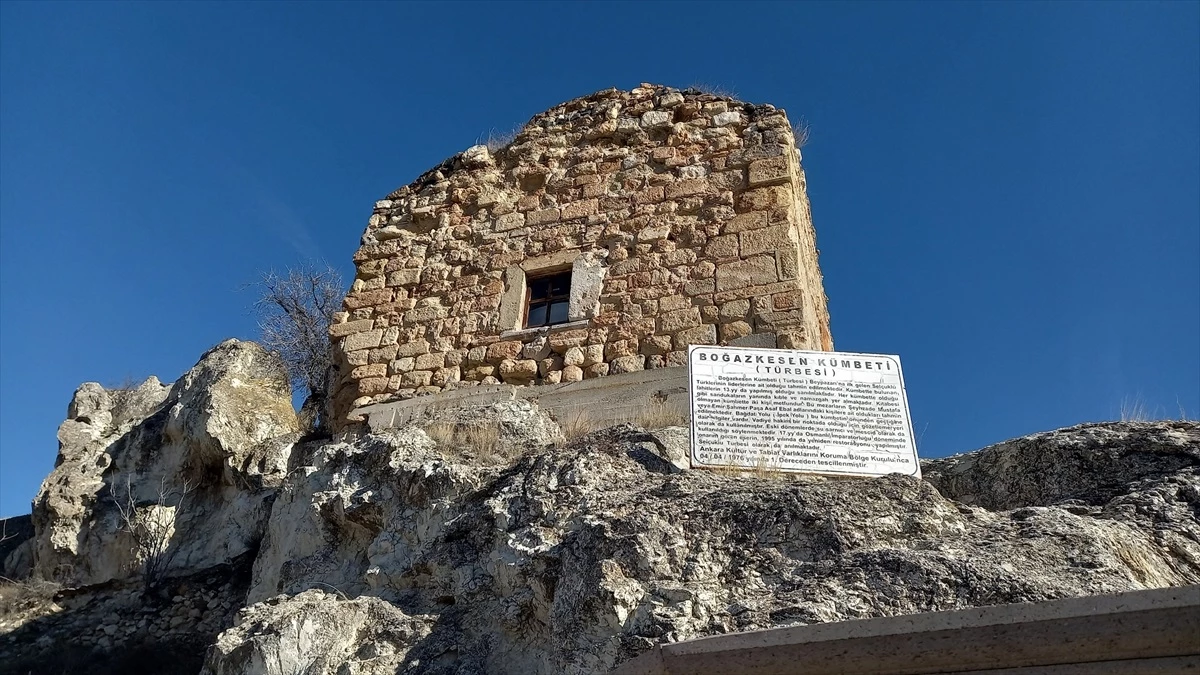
1005, 194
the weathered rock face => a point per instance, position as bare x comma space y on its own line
1146, 475
198, 461
326, 528
1091, 464
574, 559
479, 541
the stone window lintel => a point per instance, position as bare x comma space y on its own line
587, 278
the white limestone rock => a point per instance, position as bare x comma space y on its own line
476, 156
215, 434
575, 559
490, 544
319, 633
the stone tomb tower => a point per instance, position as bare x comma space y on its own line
611, 233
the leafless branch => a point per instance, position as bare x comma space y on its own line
294, 312
150, 530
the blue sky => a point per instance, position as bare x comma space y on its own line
1006, 195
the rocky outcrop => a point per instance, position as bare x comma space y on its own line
326, 525
482, 541
1144, 474
193, 466
1089, 464
575, 558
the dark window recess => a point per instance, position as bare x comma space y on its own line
549, 298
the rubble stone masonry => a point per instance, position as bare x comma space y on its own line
681, 216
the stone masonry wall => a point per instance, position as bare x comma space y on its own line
681, 215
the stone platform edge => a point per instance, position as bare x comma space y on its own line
1137, 632
604, 400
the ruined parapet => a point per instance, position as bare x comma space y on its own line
614, 231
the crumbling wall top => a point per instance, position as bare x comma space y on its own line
611, 233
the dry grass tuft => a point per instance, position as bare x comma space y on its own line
659, 414
441, 433
1135, 409
714, 90
765, 467
577, 424
498, 140
768, 468
801, 131
655, 415
483, 439
25, 597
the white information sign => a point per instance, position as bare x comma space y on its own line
790, 410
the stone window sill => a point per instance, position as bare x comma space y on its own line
531, 332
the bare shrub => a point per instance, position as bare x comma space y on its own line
294, 312
120, 392
152, 526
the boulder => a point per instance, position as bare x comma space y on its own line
192, 466
321, 633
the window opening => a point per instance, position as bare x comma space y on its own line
549, 298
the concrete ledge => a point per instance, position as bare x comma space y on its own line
610, 399
1156, 631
